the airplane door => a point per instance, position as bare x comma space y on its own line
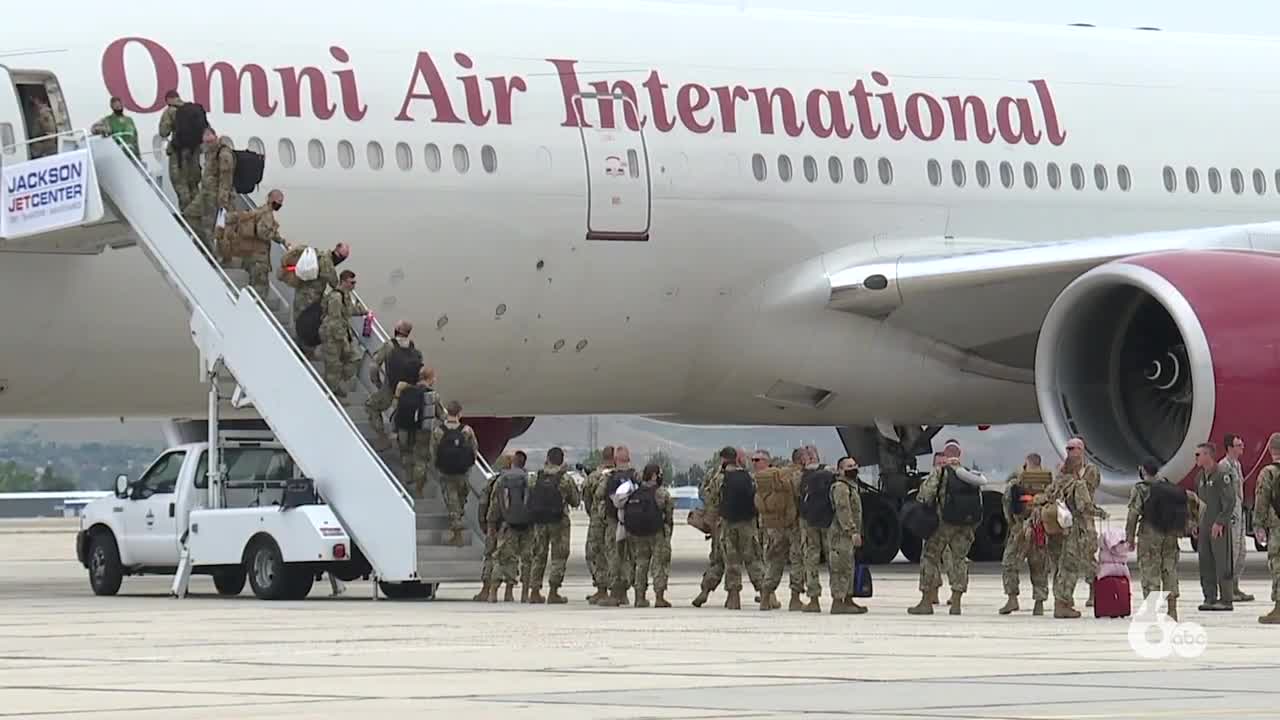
13, 132
617, 162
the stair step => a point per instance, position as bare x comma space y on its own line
448, 553
465, 571
434, 521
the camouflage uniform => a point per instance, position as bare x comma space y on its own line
184, 165
1019, 548
783, 540
487, 500
46, 124
741, 547
249, 235
1157, 552
215, 189
453, 487
847, 524
515, 545
714, 573
416, 446
1071, 551
312, 291
597, 562
652, 554
957, 539
1265, 518
619, 563
340, 359
554, 538
381, 399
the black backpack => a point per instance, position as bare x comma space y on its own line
815, 498
1275, 492
737, 496
411, 409
513, 498
308, 324
1166, 508
403, 365
641, 515
1014, 496
963, 504
250, 167
546, 503
454, 456
616, 478
189, 124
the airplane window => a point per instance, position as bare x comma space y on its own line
1100, 176
315, 153
1170, 179
810, 168
1260, 182
633, 161
1237, 181
1124, 178
1030, 176
784, 168
1006, 174
404, 156
983, 171
1054, 174
1077, 176
287, 154
256, 145
431, 157
1215, 181
759, 167
836, 169
461, 159
1193, 180
934, 169
958, 175
886, 171
861, 174
346, 155
374, 153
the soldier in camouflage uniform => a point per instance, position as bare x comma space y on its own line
514, 544
455, 488
553, 538
738, 542
416, 446
652, 554
597, 563
311, 291
1157, 551
714, 573
1078, 464
780, 521
955, 538
489, 586
46, 125
216, 189
184, 165
1020, 546
340, 359
379, 401
1073, 551
249, 235
1266, 498
621, 566
844, 537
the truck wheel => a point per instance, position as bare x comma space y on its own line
912, 546
229, 581
353, 569
988, 537
105, 571
408, 590
298, 582
881, 532
266, 570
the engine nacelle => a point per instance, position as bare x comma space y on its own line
1151, 355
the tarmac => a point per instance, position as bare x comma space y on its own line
141, 655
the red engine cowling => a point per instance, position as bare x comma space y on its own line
1151, 355
493, 434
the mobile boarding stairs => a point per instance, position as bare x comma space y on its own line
248, 358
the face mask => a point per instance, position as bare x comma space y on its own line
276, 206
851, 474
118, 112
336, 259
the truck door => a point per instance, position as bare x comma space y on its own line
150, 514
617, 162
13, 127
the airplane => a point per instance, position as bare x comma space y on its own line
708, 215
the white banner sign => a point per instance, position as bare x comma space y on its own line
46, 194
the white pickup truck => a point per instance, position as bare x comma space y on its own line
280, 549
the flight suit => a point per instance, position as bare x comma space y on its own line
1217, 555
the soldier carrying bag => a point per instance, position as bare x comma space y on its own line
775, 499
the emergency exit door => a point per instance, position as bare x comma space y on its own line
617, 163
13, 127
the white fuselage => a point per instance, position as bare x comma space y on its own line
516, 307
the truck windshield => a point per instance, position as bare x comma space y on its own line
246, 465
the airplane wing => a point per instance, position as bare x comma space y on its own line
991, 303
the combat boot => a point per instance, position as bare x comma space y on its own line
1038, 609
933, 597
1064, 611
642, 601
702, 598
735, 600
511, 593
1089, 602
455, 538
955, 602
483, 595
1173, 608
524, 594
854, 607
1010, 606
601, 594
814, 605
774, 602
766, 601
660, 599
623, 599
493, 593
1273, 617
924, 607
535, 597
839, 607
797, 602
555, 598
381, 443
1240, 595
610, 600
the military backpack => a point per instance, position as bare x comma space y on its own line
454, 455
815, 498
737, 496
963, 502
513, 498
546, 502
641, 515
611, 485
1166, 508
775, 498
